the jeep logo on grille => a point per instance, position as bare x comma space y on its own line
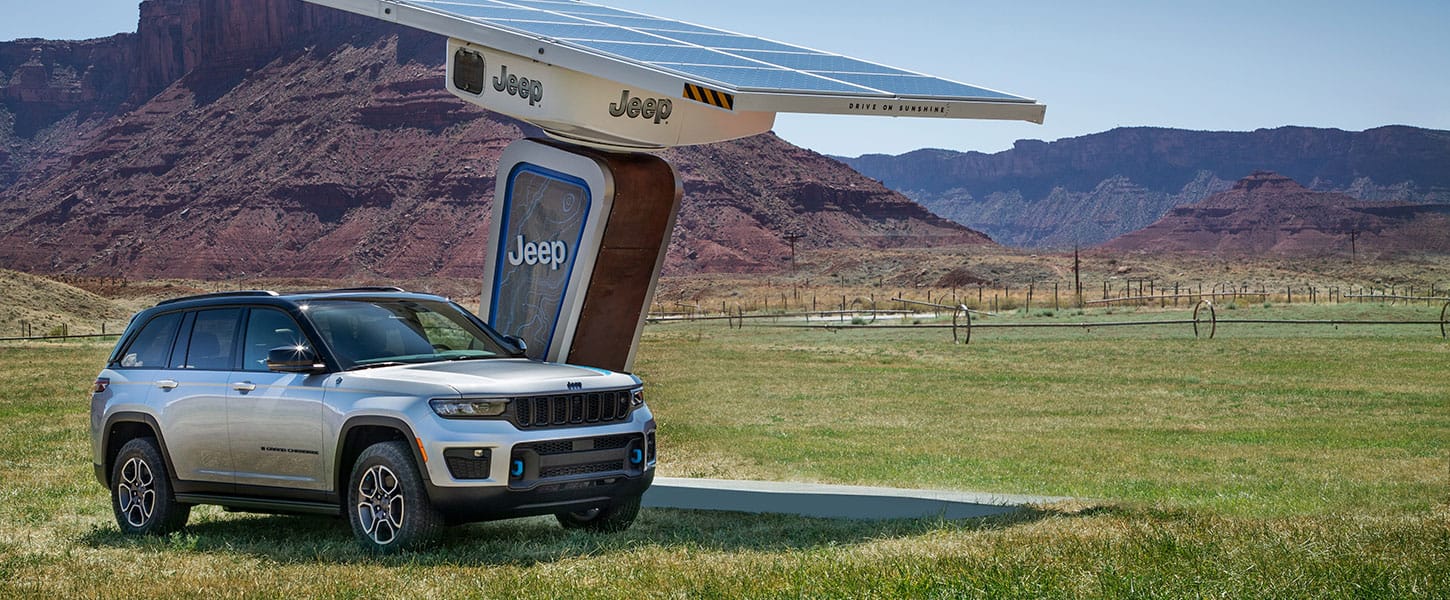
657, 109
576, 385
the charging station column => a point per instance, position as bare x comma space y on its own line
576, 246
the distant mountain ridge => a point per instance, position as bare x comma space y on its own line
1088, 190
1270, 214
278, 138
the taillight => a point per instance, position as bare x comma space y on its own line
102, 384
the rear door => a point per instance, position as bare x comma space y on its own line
191, 396
275, 419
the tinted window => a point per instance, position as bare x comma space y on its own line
373, 332
213, 340
153, 344
268, 329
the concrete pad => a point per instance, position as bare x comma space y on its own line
831, 501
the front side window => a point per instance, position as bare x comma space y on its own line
268, 329
364, 333
152, 345
213, 340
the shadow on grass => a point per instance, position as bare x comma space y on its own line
526, 542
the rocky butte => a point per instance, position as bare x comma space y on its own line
1090, 189
1270, 214
275, 138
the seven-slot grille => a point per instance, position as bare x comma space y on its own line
593, 408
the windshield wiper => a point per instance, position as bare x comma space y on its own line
377, 365
473, 357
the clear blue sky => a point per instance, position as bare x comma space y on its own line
1220, 65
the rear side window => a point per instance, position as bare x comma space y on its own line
268, 329
213, 340
152, 346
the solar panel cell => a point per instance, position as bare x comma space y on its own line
816, 61
671, 55
917, 85
769, 79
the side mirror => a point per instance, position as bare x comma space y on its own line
294, 359
517, 342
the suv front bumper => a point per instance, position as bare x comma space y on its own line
472, 504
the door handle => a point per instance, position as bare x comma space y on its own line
167, 384
244, 387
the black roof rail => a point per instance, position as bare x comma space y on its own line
375, 288
244, 294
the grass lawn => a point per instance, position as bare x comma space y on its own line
1270, 462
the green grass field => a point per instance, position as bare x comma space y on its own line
1273, 461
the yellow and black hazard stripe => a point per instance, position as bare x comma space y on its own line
706, 95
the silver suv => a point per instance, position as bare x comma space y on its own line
402, 411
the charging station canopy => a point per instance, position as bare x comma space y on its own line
622, 80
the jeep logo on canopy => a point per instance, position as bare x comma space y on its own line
523, 87
550, 254
658, 109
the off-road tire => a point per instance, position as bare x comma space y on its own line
387, 504
616, 517
141, 491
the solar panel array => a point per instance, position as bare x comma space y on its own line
738, 62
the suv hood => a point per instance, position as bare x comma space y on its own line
500, 376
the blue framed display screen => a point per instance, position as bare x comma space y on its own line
544, 216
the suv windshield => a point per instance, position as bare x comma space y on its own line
371, 333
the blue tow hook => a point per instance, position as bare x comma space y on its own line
518, 469
636, 457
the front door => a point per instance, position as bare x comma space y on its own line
275, 419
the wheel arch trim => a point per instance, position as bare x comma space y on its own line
104, 470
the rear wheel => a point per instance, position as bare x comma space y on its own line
387, 504
141, 491
614, 518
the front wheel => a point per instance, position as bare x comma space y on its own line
141, 491
614, 518
387, 504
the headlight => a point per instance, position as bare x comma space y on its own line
636, 399
464, 408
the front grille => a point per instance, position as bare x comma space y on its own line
551, 448
565, 471
462, 464
595, 408
551, 459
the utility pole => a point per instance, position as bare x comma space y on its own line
1077, 274
1353, 246
793, 238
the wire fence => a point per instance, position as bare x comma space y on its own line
1204, 321
795, 299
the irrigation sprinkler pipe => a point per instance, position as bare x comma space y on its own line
943, 306
1389, 297
656, 318
1173, 296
